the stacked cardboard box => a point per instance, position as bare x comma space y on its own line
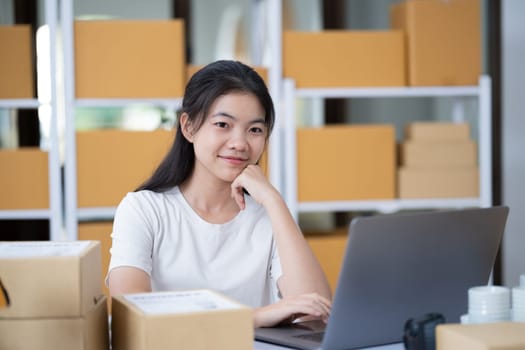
438, 160
194, 319
443, 40
16, 66
56, 300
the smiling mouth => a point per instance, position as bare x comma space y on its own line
234, 160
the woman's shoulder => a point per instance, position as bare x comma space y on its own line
148, 198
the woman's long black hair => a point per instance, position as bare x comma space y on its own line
205, 86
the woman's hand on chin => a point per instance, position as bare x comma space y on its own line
304, 307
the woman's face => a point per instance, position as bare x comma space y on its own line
232, 136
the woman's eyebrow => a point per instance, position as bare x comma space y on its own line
228, 115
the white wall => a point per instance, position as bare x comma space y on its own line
513, 58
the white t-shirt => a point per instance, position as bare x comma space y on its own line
161, 234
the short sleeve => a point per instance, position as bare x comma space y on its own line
132, 236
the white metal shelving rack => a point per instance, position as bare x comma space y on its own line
54, 212
482, 92
73, 214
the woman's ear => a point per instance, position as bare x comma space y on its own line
185, 127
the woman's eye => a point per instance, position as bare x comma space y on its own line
221, 124
257, 130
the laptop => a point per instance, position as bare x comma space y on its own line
398, 267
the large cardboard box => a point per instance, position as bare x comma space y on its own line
439, 154
490, 336
111, 163
48, 279
99, 231
346, 162
456, 182
339, 58
437, 131
443, 40
186, 320
24, 179
125, 58
16, 62
86, 332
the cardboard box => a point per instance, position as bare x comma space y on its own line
87, 332
128, 58
426, 154
24, 179
437, 131
99, 231
490, 336
111, 163
48, 279
347, 162
339, 58
443, 40
457, 182
196, 320
329, 249
16, 62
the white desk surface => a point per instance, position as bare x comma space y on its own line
265, 346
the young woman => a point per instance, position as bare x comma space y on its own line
209, 218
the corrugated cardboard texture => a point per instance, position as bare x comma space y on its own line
493, 336
16, 62
454, 182
346, 162
127, 58
427, 154
217, 329
89, 332
443, 40
24, 179
111, 163
437, 131
99, 231
51, 287
344, 58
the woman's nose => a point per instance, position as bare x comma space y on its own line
238, 141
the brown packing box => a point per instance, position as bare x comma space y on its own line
438, 182
16, 62
111, 163
86, 332
329, 249
339, 58
99, 231
196, 320
443, 40
24, 179
490, 336
437, 131
125, 58
50, 279
346, 162
438, 154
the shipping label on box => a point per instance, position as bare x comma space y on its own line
195, 319
16, 62
87, 332
50, 279
339, 58
348, 162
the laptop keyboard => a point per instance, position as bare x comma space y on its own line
317, 337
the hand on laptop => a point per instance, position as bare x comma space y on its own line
289, 309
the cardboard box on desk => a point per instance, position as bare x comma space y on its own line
195, 319
125, 59
454, 182
339, 58
24, 179
490, 336
443, 40
87, 332
47, 279
437, 131
346, 162
16, 67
